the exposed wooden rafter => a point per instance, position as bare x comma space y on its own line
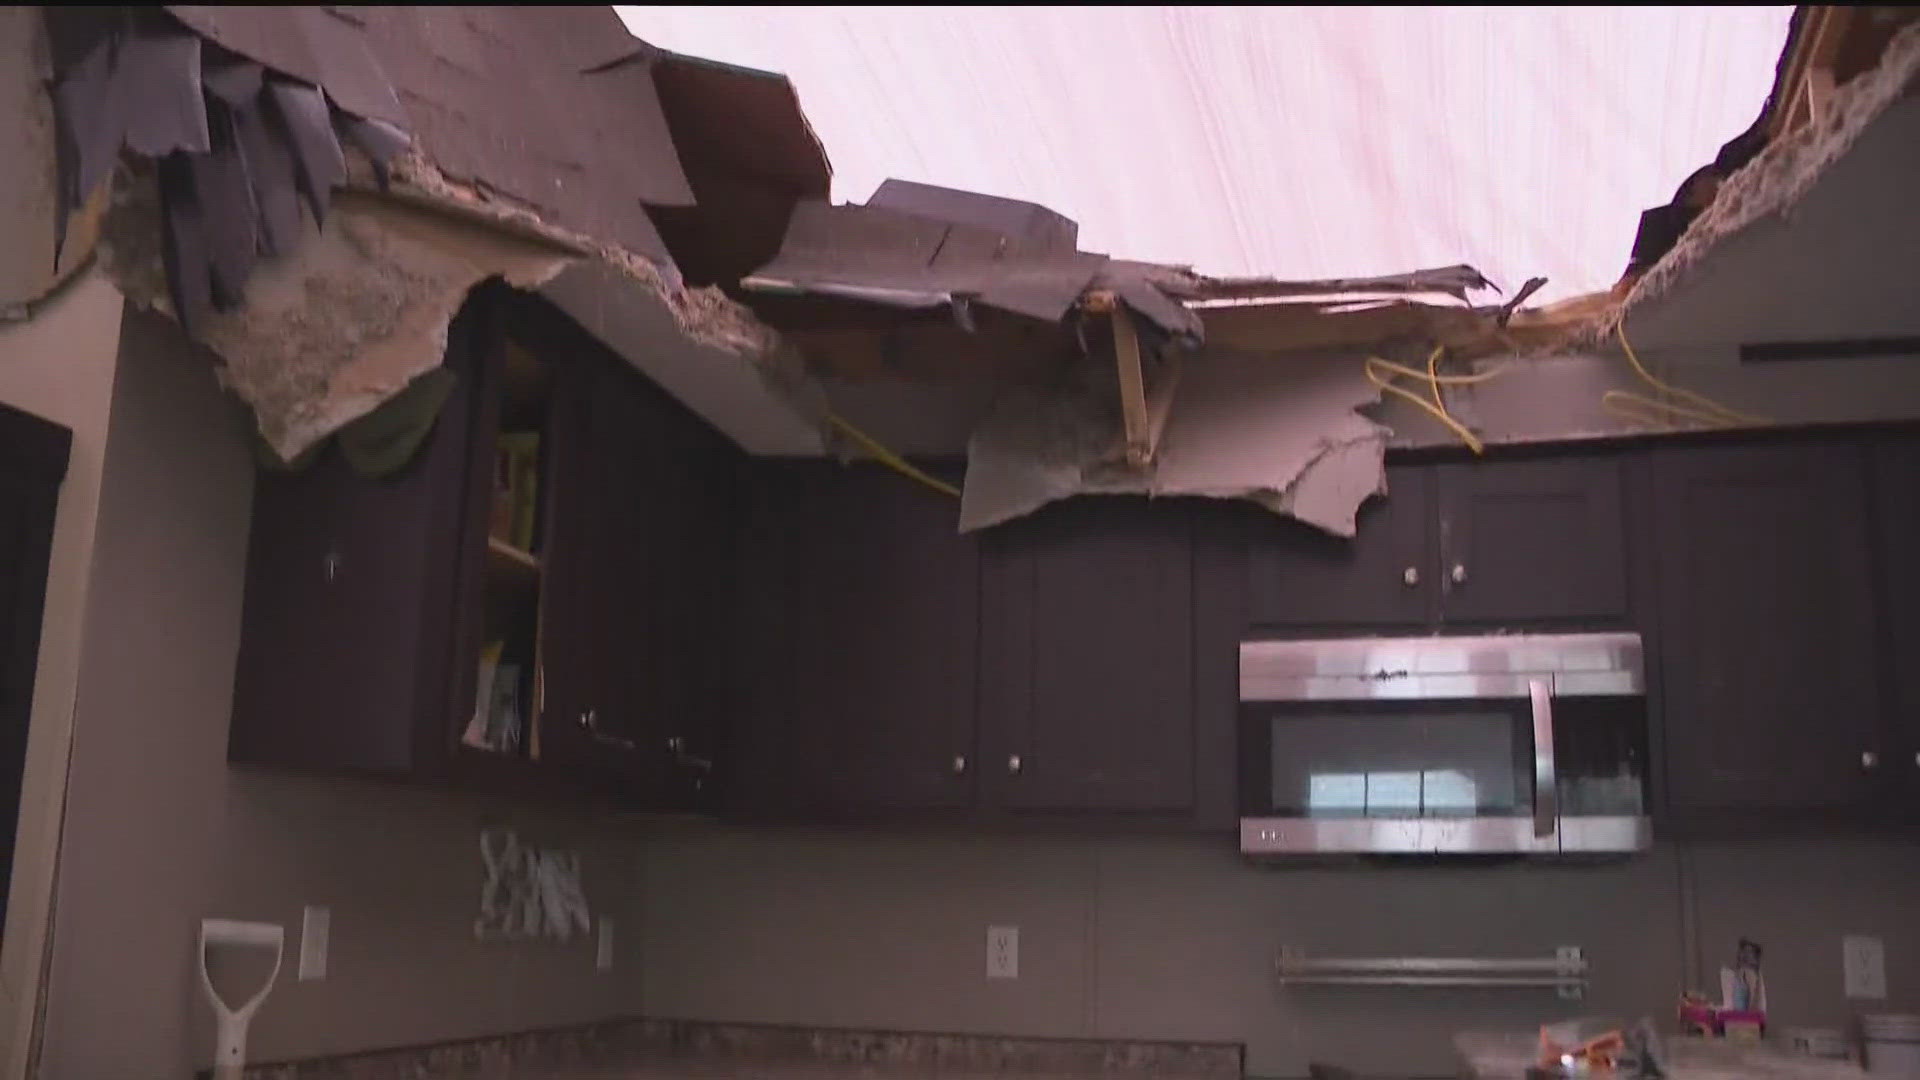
1142, 410
1809, 79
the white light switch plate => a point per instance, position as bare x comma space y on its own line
316, 926
1003, 952
603, 946
1865, 961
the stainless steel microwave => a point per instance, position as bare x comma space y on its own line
1529, 744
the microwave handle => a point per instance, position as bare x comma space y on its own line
1546, 785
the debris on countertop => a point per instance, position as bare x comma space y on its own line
1510, 1056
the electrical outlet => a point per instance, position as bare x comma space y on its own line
603, 946
1003, 952
1864, 960
316, 926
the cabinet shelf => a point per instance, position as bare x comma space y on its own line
511, 563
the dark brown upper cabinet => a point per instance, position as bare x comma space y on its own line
1896, 489
1087, 678
1768, 633
349, 614
1300, 578
636, 621
1532, 541
1503, 542
861, 605
522, 606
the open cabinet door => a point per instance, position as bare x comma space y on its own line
33, 459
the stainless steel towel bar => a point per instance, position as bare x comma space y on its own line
1564, 971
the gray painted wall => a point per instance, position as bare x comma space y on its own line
60, 366
1174, 938
160, 833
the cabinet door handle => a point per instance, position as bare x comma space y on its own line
1869, 760
677, 746
1546, 782
590, 723
959, 764
1013, 763
330, 566
1459, 574
1410, 576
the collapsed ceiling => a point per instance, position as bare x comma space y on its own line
313, 191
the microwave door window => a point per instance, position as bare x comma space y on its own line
1424, 763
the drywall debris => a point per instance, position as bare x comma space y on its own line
357, 311
1280, 431
327, 334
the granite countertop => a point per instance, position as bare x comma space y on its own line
683, 1068
640, 1049
1507, 1056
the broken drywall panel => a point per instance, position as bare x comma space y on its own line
1779, 175
758, 393
1330, 489
1282, 433
1279, 430
1839, 264
29, 181
355, 313
1044, 443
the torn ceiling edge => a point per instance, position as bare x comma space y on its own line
1455, 281
1283, 435
711, 352
1781, 173
765, 401
1467, 333
357, 310
202, 193
343, 322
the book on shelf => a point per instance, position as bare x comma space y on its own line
516, 488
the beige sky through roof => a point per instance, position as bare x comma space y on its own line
1296, 142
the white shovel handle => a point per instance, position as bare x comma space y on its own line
230, 1025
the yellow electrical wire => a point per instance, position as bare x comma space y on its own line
1444, 380
1714, 412
1627, 404
1436, 408
888, 458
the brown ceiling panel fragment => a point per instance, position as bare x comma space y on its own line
313, 44
271, 175
897, 259
748, 120
319, 162
1030, 222
552, 109
749, 155
157, 77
